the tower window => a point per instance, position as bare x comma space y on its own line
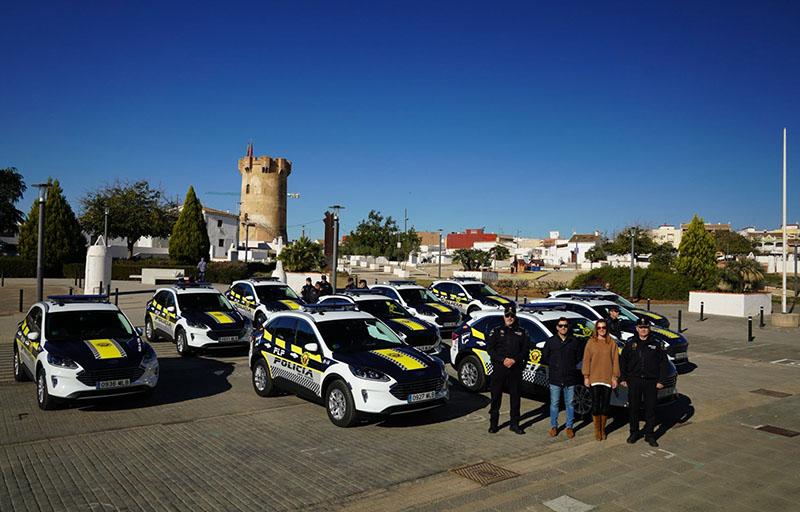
221, 242
263, 169
247, 189
219, 223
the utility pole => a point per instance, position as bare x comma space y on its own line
633, 238
335, 263
43, 188
105, 226
247, 239
440, 253
783, 294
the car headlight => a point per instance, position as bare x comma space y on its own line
149, 356
368, 374
195, 324
63, 362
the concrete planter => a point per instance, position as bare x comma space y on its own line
739, 305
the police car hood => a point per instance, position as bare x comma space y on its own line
434, 309
216, 320
659, 334
495, 300
410, 326
402, 363
654, 317
283, 304
99, 353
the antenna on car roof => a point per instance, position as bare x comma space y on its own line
465, 279
265, 278
397, 282
197, 284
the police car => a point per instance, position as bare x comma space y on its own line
348, 360
258, 297
469, 295
420, 334
422, 303
195, 316
80, 346
592, 292
474, 364
676, 345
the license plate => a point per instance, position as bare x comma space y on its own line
110, 384
420, 397
228, 338
681, 355
450, 324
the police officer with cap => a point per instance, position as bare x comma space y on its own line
643, 368
614, 322
507, 347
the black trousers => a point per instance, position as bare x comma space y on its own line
601, 397
639, 389
502, 376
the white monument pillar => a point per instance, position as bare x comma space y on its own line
98, 268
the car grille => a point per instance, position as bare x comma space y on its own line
91, 378
447, 318
215, 335
401, 391
422, 339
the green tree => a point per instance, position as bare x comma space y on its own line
663, 257
12, 186
302, 255
189, 239
135, 210
696, 258
643, 242
472, 259
732, 243
378, 236
499, 252
596, 253
742, 275
63, 239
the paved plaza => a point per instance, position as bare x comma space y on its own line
205, 442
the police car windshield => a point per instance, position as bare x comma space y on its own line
622, 301
383, 308
581, 328
479, 290
357, 335
624, 314
86, 325
203, 302
271, 293
414, 296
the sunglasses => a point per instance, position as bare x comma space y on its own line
562, 326
510, 315
601, 328
643, 326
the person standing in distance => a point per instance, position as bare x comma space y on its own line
201, 270
562, 353
508, 348
325, 287
643, 368
308, 292
600, 373
614, 322
351, 284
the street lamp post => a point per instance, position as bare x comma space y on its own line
440, 253
105, 226
335, 259
633, 238
247, 239
43, 188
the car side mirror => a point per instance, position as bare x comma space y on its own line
171, 309
311, 347
462, 294
249, 297
540, 344
139, 331
33, 336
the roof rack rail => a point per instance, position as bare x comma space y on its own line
197, 284
265, 278
397, 282
595, 288
357, 291
466, 279
77, 299
323, 308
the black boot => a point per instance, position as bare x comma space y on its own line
517, 429
493, 429
651, 441
633, 437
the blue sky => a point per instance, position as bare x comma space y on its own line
514, 116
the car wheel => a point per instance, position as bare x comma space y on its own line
262, 380
150, 331
181, 344
45, 401
339, 402
19, 371
582, 400
471, 374
259, 320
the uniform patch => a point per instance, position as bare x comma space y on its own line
401, 359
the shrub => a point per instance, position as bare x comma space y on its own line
17, 266
647, 283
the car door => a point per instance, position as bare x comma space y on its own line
280, 335
158, 312
29, 349
311, 370
534, 372
170, 313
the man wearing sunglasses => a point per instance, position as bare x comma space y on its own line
561, 354
508, 348
643, 368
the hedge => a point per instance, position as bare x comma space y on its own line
17, 266
647, 283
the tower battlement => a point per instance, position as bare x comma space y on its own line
263, 196
264, 164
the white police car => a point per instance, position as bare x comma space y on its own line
195, 316
258, 297
469, 295
593, 292
80, 346
346, 359
421, 303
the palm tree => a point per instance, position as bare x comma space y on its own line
742, 275
499, 252
302, 256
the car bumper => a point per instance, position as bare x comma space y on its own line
198, 338
64, 383
375, 398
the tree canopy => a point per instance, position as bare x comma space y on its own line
302, 255
135, 210
696, 258
732, 243
621, 244
378, 236
63, 239
189, 239
472, 259
12, 186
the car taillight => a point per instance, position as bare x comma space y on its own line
454, 336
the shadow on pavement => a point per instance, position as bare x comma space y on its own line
676, 413
181, 379
462, 403
683, 369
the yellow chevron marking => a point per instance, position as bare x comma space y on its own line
484, 357
106, 348
220, 317
478, 334
440, 307
402, 360
499, 299
414, 326
267, 335
297, 350
280, 342
665, 333
292, 304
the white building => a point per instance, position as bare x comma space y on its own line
667, 234
223, 232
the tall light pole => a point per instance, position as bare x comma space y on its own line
633, 238
783, 295
247, 239
43, 188
440, 253
335, 258
105, 226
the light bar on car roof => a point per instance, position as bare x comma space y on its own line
77, 299
542, 306
199, 284
358, 291
323, 308
266, 278
465, 279
398, 282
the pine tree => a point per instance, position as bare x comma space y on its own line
63, 238
696, 258
189, 240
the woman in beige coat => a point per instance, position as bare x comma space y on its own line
600, 374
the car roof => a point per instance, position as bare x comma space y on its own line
259, 282
361, 297
400, 286
52, 306
325, 316
458, 281
542, 316
585, 302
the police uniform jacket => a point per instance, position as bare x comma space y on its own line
643, 359
508, 342
562, 358
614, 327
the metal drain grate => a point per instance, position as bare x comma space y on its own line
778, 430
484, 473
770, 392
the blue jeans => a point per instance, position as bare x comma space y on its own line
555, 399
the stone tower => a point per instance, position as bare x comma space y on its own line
263, 196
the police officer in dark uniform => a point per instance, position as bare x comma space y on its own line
614, 322
508, 348
643, 368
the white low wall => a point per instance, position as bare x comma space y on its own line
476, 274
739, 305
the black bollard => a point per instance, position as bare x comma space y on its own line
761, 318
525, 300
516, 294
101, 288
680, 321
108, 290
648, 304
116, 296
70, 290
701, 311
2, 279
20, 300
749, 328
